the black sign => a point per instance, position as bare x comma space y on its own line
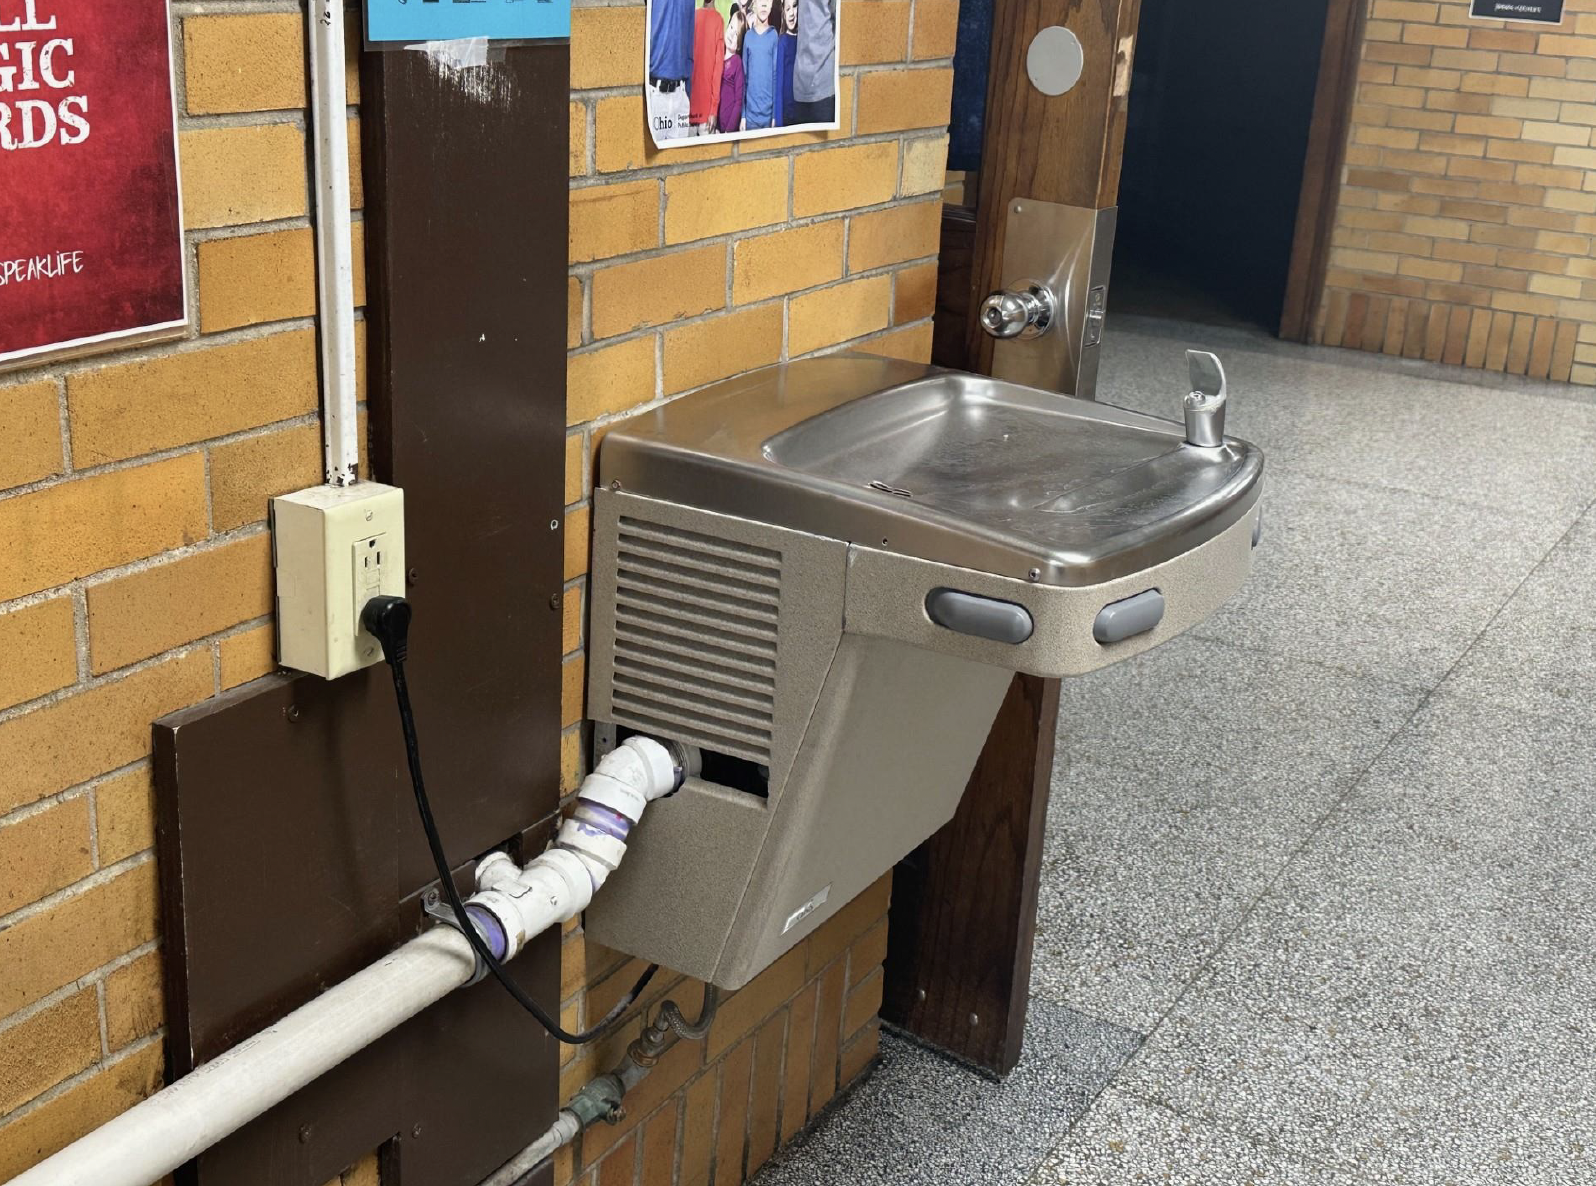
1544, 12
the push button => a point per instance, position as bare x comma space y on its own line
1128, 618
984, 617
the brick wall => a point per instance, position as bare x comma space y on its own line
1468, 207
134, 560
689, 266
135, 577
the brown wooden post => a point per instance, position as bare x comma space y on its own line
964, 904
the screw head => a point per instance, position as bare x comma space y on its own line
919, 994
292, 713
370, 515
554, 524
615, 483
974, 1019
304, 1134
1034, 575
432, 897
416, 1131
554, 601
411, 577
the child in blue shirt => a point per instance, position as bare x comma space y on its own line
759, 64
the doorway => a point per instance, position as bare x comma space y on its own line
1222, 103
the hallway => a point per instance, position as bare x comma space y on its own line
1318, 902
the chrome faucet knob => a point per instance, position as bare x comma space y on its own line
1024, 311
1205, 406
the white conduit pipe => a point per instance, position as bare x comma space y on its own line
335, 270
179, 1122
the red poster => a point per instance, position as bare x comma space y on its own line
91, 233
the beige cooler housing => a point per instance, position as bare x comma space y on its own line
814, 658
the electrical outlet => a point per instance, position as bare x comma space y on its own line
335, 548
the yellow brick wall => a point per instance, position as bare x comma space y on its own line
1468, 205
689, 266
135, 578
134, 562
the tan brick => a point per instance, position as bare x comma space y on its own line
1480, 83
912, 344
136, 616
795, 1072
93, 731
876, 31
844, 178
609, 220
765, 1099
1435, 35
722, 346
1502, 39
860, 1052
30, 426
571, 761
925, 162
786, 261
622, 142
828, 1027
721, 200
1404, 10
365, 1172
610, 379
869, 952
248, 655
659, 1148
571, 621
864, 1002
659, 289
578, 145
575, 458
915, 294
577, 529
608, 49
124, 813
892, 236
233, 176
936, 28
746, 1009
69, 530
244, 63
133, 1006
56, 946
247, 474
828, 316
40, 645
254, 279
175, 399
619, 1166
39, 854
698, 1131
730, 1139
52, 1045
32, 1137
896, 100
1562, 46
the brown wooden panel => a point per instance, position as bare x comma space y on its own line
1321, 173
289, 850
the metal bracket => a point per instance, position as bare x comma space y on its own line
1068, 250
434, 907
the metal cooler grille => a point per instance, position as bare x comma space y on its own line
696, 632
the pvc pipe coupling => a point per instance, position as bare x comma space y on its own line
561, 882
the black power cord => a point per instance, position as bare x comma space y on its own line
388, 621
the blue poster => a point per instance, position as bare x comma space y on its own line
451, 20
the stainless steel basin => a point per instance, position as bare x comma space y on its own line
941, 465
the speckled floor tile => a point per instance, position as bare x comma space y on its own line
1413, 997
1381, 582
921, 1119
1539, 654
1499, 448
1123, 1141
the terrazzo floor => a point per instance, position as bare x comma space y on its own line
1318, 901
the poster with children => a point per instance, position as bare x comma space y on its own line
737, 69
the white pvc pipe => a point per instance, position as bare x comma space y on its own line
152, 1139
335, 271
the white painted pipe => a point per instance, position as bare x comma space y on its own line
152, 1139
335, 270
181, 1121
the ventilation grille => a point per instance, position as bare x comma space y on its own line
695, 638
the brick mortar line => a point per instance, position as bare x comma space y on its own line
122, 673
55, 997
75, 791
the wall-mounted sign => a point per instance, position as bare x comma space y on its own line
738, 69
1542, 12
412, 21
91, 231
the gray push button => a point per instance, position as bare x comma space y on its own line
1128, 618
1000, 621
